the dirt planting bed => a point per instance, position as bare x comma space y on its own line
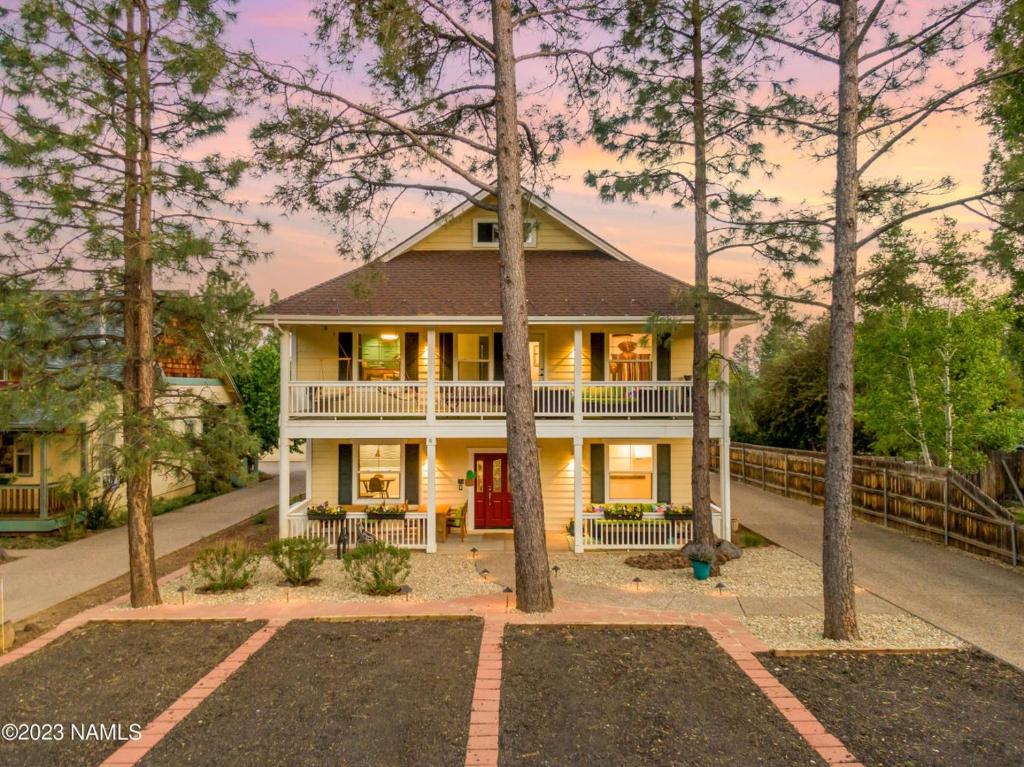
924, 710
113, 675
352, 693
635, 696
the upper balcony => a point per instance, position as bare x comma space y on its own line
486, 399
361, 373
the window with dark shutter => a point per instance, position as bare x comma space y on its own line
597, 473
344, 473
664, 473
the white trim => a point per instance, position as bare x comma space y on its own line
368, 430
531, 200
542, 336
471, 492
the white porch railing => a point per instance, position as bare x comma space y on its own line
651, 532
408, 533
486, 399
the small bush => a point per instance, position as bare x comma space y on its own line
377, 568
226, 566
260, 518
297, 558
701, 552
97, 515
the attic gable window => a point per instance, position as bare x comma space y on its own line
485, 232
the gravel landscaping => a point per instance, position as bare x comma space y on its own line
903, 632
433, 577
110, 674
769, 571
345, 693
925, 710
635, 696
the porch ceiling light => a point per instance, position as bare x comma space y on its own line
389, 336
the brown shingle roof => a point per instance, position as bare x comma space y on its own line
465, 284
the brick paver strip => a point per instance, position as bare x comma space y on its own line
482, 747
132, 752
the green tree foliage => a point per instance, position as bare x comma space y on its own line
935, 383
260, 383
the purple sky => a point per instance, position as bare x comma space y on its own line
652, 232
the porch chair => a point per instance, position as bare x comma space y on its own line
456, 520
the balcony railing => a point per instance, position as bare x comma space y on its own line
486, 399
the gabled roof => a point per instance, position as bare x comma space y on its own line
444, 219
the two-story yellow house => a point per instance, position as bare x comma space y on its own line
393, 374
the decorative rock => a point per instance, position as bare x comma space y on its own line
4, 556
727, 551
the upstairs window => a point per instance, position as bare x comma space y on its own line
474, 353
485, 233
630, 357
380, 357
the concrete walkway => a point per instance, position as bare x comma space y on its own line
979, 601
41, 578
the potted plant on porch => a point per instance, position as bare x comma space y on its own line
383, 511
701, 557
325, 512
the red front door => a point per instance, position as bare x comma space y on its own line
492, 502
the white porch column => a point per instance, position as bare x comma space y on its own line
309, 470
431, 374
577, 479
284, 477
431, 495
723, 468
577, 375
44, 489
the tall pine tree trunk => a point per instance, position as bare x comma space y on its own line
533, 581
837, 553
703, 531
139, 376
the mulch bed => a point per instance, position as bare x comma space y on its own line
111, 674
923, 709
592, 695
352, 693
662, 560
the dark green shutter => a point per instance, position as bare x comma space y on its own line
344, 356
664, 474
664, 355
499, 357
412, 472
446, 342
597, 356
345, 472
412, 356
596, 473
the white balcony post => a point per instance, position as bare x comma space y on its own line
577, 375
723, 461
577, 479
431, 374
284, 477
431, 495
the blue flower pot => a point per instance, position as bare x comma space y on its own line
701, 570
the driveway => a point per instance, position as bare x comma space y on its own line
977, 600
40, 578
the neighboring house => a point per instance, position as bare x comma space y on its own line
393, 373
38, 457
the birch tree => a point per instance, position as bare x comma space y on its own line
439, 110
102, 102
682, 97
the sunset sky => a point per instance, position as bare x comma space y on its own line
304, 248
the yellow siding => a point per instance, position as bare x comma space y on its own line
458, 233
682, 353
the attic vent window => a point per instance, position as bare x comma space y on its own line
485, 233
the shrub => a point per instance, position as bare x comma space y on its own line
378, 568
226, 566
97, 515
260, 518
701, 552
297, 558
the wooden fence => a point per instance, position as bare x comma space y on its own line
936, 503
